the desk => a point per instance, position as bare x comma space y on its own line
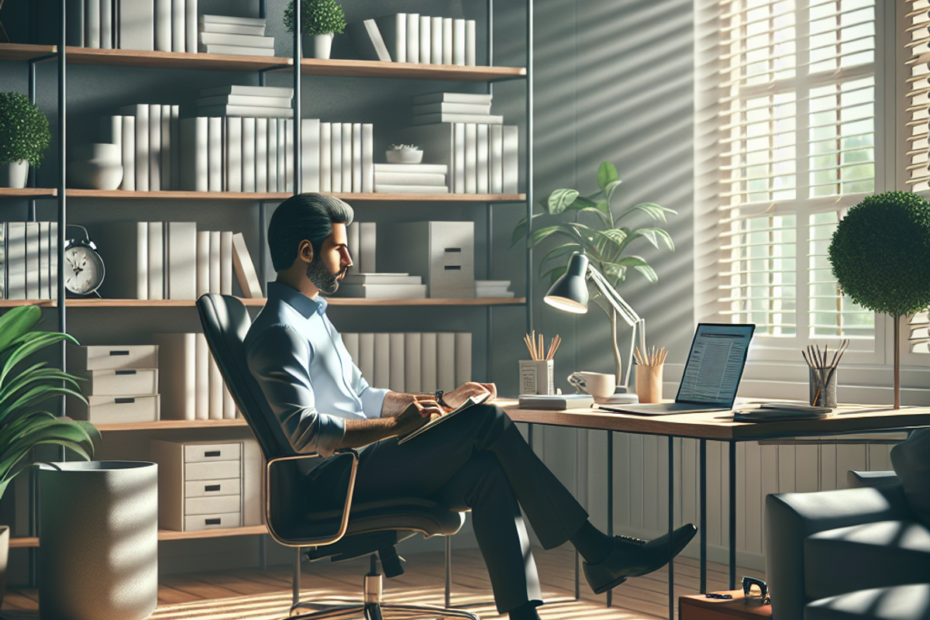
717, 426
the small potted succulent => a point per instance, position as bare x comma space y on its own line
24, 137
320, 20
404, 154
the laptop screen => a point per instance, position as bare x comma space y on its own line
715, 364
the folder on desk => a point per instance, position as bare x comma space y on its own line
557, 402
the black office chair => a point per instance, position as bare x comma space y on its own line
355, 530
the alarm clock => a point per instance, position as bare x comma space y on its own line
83, 268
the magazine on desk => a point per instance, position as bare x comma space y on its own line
468, 404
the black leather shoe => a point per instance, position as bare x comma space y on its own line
632, 557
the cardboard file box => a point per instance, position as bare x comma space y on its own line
114, 409
98, 357
442, 253
134, 382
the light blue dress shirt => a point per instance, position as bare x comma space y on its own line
303, 368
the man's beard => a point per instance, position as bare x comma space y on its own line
321, 277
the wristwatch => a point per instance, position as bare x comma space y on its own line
438, 396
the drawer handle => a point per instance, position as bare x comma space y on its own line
125, 372
119, 352
210, 453
215, 521
453, 249
453, 267
124, 401
211, 487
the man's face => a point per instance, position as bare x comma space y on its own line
330, 266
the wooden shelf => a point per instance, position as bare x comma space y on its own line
21, 542
29, 192
162, 425
170, 60
251, 530
15, 303
279, 196
18, 51
407, 71
335, 301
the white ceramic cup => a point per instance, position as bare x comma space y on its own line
597, 384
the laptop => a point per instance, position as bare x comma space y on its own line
712, 374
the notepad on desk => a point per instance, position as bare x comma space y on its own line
556, 402
772, 412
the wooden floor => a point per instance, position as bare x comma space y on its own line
255, 595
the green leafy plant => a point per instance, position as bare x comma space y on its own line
23, 425
880, 253
588, 224
317, 17
24, 132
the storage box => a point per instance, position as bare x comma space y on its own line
115, 409
135, 382
98, 357
442, 253
699, 607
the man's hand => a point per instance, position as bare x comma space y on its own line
415, 415
459, 395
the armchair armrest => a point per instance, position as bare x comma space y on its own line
861, 479
792, 517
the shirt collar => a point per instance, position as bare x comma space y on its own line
297, 300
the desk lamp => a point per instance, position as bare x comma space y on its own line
570, 294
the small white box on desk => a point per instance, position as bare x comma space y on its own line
104, 357
125, 382
442, 253
115, 409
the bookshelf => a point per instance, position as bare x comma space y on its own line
93, 302
280, 196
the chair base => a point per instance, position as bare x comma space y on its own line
377, 611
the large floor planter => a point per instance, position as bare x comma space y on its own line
98, 526
4, 556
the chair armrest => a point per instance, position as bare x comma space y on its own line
792, 517
862, 479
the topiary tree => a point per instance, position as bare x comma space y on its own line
24, 132
317, 17
880, 254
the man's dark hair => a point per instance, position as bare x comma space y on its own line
304, 216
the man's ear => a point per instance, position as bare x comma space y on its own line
305, 251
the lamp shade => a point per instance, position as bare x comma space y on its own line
570, 292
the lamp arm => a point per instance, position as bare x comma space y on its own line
624, 310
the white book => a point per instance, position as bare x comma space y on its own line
367, 41
175, 159
413, 37
352, 243
181, 260
458, 42
124, 247
273, 181
446, 97
413, 168
347, 157
393, 30
289, 173
255, 31
366, 356
248, 91
310, 154
462, 358
155, 146
282, 146
458, 177
190, 26
410, 189
129, 153
495, 157
482, 160
444, 117
381, 278
245, 110
166, 148
228, 19
511, 159
178, 27
241, 40
367, 242
229, 404
194, 154
368, 157
412, 371
428, 363
216, 389
91, 24
410, 178
215, 155
447, 30
156, 262
447, 107
350, 342
53, 260
426, 43
177, 379
261, 155
445, 355
236, 50
356, 157
233, 154
16, 260
336, 157
135, 24
32, 261
44, 290
226, 263
470, 52
203, 262
383, 291
202, 378
382, 376
326, 157
163, 25
435, 36
141, 112
106, 24
261, 101
215, 262
245, 269
397, 365
248, 154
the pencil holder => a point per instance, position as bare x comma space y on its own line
820, 395
537, 377
649, 383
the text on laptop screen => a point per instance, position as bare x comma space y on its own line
715, 364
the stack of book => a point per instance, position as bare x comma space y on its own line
453, 108
257, 101
383, 286
411, 37
149, 137
28, 260
346, 160
239, 36
162, 25
493, 288
411, 179
190, 381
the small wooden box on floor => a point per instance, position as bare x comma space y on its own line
699, 607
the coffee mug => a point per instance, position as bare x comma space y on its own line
597, 384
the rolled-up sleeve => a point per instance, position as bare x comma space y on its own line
279, 359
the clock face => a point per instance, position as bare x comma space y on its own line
83, 270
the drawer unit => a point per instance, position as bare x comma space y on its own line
115, 409
197, 453
212, 469
212, 505
212, 488
127, 382
100, 357
196, 523
442, 253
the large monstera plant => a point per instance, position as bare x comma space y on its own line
596, 226
25, 387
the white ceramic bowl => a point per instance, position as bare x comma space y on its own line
404, 156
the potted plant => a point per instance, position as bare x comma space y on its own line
321, 20
24, 387
587, 224
24, 137
879, 254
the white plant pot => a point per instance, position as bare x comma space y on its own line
96, 166
404, 156
14, 174
99, 554
4, 555
318, 46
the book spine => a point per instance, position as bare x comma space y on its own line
496, 156
511, 159
337, 157
413, 37
233, 154
481, 171
282, 182
445, 353
458, 42
310, 154
400, 38
166, 147
203, 262
326, 157
347, 157
178, 31
447, 35
216, 389
202, 379
459, 174
190, 26
367, 238
155, 147
428, 363
426, 46
142, 260
16, 260
366, 356
248, 154
163, 25
412, 384
43, 261
215, 272
226, 263
435, 35
382, 376
175, 154
368, 157
352, 241
136, 25
289, 171
156, 270
142, 148
273, 185
215, 155
261, 155
462, 358
470, 52
397, 364
245, 269
129, 153
92, 23
32, 260
106, 24
53, 259
194, 154
181, 260
356, 157
229, 409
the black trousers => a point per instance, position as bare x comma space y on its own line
476, 461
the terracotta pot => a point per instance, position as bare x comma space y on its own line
318, 46
14, 174
4, 555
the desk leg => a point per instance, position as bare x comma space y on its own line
732, 502
702, 518
610, 498
671, 527
577, 492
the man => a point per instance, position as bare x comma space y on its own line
476, 461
